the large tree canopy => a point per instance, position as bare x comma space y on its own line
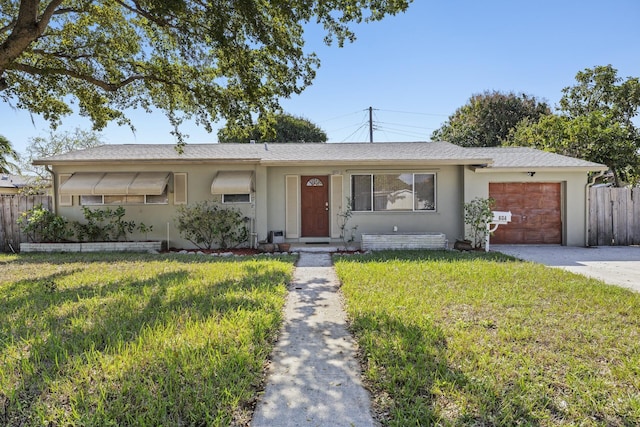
594, 123
286, 128
191, 59
487, 118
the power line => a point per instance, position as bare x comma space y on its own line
362, 126
407, 126
371, 122
419, 114
339, 117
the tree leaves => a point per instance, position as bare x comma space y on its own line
279, 128
487, 119
595, 123
7, 152
204, 61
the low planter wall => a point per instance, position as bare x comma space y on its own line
92, 247
403, 241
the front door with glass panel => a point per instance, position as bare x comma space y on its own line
314, 206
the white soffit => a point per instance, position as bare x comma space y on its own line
115, 183
232, 182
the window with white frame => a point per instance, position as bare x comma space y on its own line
156, 199
393, 192
236, 198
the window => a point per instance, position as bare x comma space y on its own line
123, 200
236, 198
314, 182
393, 192
92, 200
160, 199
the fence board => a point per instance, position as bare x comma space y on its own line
635, 213
10, 209
614, 216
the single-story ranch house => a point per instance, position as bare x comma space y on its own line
298, 190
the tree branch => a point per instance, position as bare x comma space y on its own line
61, 55
7, 27
49, 11
28, 27
145, 14
106, 86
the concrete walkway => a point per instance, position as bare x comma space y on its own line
314, 378
616, 265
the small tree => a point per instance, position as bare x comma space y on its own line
477, 214
347, 234
206, 225
56, 143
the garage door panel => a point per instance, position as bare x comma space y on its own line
505, 234
553, 238
535, 209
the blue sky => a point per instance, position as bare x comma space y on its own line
417, 68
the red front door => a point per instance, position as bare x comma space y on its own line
314, 206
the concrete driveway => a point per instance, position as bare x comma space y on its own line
616, 265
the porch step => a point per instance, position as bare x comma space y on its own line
310, 247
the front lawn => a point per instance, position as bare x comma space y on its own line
484, 340
125, 339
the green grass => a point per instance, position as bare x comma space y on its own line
108, 339
485, 340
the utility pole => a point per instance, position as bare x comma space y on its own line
371, 124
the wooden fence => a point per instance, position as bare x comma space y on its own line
10, 209
614, 216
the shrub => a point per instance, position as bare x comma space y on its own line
106, 225
42, 225
477, 213
206, 225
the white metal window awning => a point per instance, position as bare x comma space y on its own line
233, 182
115, 183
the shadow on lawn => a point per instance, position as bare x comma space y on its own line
55, 327
99, 257
429, 255
410, 364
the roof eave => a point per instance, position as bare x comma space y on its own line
264, 162
87, 162
375, 162
540, 169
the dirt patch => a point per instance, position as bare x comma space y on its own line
234, 251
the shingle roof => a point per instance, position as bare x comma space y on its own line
13, 181
526, 157
274, 153
299, 154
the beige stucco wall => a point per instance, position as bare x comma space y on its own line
476, 184
447, 218
162, 217
267, 209
268, 203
